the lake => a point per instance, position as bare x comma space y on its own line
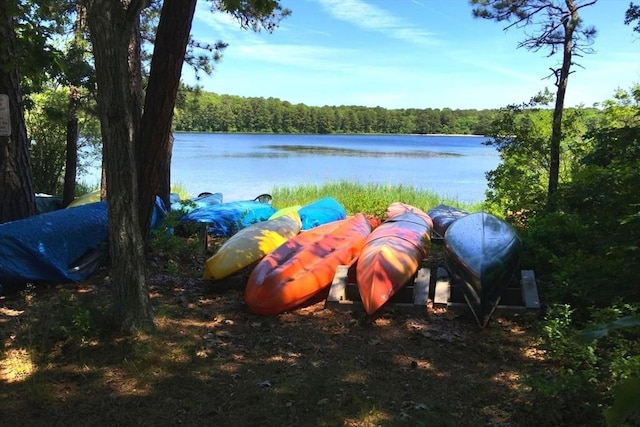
242, 166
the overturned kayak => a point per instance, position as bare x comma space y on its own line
483, 255
321, 212
251, 244
390, 257
443, 216
304, 266
397, 208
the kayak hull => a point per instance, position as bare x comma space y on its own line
390, 257
397, 208
443, 216
304, 266
251, 244
483, 255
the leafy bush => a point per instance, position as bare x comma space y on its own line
583, 375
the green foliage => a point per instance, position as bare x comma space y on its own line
625, 365
585, 374
165, 242
46, 123
199, 111
518, 185
632, 15
585, 253
46, 128
625, 410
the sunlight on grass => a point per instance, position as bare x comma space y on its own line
181, 190
17, 366
355, 377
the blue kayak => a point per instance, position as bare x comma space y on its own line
321, 212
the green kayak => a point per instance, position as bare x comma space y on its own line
483, 256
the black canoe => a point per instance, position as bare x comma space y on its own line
483, 255
443, 216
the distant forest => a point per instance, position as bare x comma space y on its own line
199, 111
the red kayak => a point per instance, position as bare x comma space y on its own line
390, 257
303, 267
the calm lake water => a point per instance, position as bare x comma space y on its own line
242, 166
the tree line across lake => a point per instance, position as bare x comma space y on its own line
200, 111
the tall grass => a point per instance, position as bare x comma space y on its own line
181, 190
370, 199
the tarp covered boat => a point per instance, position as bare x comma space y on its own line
60, 246
391, 256
483, 256
304, 266
226, 219
202, 201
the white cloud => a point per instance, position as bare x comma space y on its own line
369, 17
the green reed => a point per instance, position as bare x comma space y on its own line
369, 198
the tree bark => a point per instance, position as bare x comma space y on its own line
71, 163
155, 142
556, 130
110, 25
17, 199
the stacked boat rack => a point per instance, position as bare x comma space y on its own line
434, 289
437, 291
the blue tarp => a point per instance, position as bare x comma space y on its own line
226, 219
203, 201
321, 212
46, 247
59, 246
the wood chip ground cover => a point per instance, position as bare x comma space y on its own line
212, 362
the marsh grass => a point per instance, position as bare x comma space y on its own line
369, 198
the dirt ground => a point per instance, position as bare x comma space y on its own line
212, 362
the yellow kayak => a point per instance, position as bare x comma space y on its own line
251, 244
92, 197
286, 211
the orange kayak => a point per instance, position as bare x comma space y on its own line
390, 257
304, 266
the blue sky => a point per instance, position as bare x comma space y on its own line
407, 54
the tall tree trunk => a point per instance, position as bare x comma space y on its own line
155, 142
556, 130
110, 25
71, 163
135, 76
17, 199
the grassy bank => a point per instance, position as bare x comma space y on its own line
370, 199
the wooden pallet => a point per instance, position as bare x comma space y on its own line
438, 288
344, 293
517, 298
